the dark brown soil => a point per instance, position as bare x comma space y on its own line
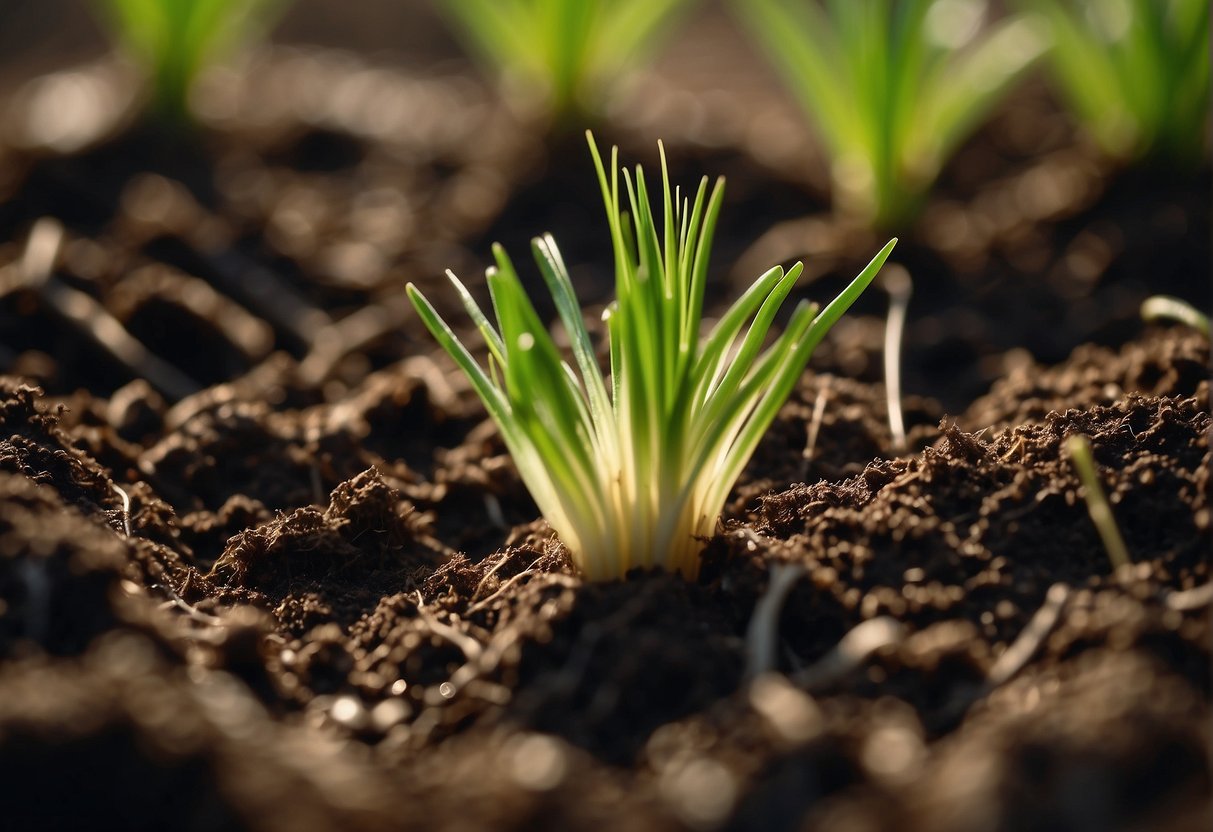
274, 571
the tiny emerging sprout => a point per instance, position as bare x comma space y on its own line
897, 283
892, 86
1165, 307
174, 40
632, 470
1078, 447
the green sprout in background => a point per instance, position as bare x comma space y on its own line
173, 40
636, 476
892, 86
1135, 73
561, 52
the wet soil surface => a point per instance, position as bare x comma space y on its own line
264, 565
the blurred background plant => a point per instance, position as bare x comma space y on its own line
1135, 73
560, 56
173, 40
892, 86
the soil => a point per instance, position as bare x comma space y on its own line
265, 565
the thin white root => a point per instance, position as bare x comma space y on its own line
126, 508
530, 570
41, 252
819, 412
896, 281
1029, 641
1190, 599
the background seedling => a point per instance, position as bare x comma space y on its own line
561, 52
896, 281
892, 88
1134, 72
173, 40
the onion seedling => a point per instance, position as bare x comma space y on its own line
563, 50
892, 86
173, 40
1135, 72
633, 470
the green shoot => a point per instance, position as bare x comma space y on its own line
1135, 72
173, 40
1079, 449
632, 470
1165, 307
892, 86
561, 52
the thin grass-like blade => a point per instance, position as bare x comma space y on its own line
551, 265
492, 338
493, 398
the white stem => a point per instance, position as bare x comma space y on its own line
896, 281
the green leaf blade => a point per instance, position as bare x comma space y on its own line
638, 478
